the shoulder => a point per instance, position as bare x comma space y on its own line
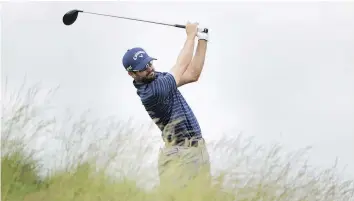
163, 86
163, 76
164, 81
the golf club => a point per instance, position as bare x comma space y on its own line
70, 17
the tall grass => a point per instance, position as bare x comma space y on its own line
46, 157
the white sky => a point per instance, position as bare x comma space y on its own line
280, 72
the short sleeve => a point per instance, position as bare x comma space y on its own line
164, 85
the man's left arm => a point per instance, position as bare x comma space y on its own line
195, 68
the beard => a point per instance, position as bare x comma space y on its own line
149, 78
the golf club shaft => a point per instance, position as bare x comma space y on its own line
153, 22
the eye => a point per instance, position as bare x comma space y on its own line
149, 64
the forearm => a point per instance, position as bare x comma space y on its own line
186, 54
184, 59
196, 66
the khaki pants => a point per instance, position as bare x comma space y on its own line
180, 164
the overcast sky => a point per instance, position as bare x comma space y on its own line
279, 72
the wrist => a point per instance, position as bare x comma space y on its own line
190, 37
203, 36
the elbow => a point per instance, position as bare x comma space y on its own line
196, 74
194, 78
194, 71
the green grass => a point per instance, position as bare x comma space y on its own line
111, 166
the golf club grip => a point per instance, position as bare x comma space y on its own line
205, 30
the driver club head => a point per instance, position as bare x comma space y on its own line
70, 17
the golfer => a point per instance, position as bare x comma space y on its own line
184, 154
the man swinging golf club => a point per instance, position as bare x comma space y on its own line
159, 94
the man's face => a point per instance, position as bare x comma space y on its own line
146, 75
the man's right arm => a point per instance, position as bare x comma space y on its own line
186, 54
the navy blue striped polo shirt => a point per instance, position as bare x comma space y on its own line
167, 107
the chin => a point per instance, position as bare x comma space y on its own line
149, 79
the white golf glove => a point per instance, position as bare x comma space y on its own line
201, 35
